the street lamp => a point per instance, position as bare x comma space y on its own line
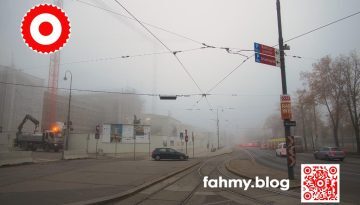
217, 121
148, 119
68, 114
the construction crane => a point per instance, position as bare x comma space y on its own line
53, 83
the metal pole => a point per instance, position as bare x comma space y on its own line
134, 144
134, 136
149, 146
68, 114
217, 124
115, 146
96, 149
283, 81
87, 144
193, 141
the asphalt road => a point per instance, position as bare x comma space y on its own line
69, 181
188, 188
62, 182
349, 170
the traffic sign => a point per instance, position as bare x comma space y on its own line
285, 107
269, 60
186, 138
266, 50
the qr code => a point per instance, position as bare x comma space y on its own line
320, 183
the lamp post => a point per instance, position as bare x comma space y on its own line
218, 122
148, 124
68, 114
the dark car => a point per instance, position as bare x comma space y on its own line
168, 153
329, 153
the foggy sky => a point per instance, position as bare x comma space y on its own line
230, 23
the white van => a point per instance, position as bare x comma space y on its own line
281, 149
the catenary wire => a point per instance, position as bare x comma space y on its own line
321, 27
201, 96
95, 91
293, 38
154, 26
120, 57
177, 58
224, 78
229, 50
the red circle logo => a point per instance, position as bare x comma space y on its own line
333, 170
45, 28
307, 195
307, 170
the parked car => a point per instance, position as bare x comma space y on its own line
281, 149
329, 153
168, 153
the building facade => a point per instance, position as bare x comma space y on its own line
21, 94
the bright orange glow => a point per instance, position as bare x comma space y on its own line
55, 129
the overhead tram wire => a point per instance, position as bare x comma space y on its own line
174, 53
123, 57
154, 26
321, 27
231, 72
134, 56
229, 50
95, 91
293, 38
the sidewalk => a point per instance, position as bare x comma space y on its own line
246, 167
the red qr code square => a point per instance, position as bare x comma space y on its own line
320, 183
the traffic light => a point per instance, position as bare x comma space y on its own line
97, 132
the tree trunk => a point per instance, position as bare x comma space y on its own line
303, 128
336, 139
357, 136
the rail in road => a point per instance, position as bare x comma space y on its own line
187, 188
349, 172
268, 158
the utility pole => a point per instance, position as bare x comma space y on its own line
134, 136
217, 124
283, 81
193, 142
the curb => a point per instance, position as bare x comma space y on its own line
232, 170
128, 193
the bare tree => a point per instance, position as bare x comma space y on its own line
274, 123
351, 72
326, 82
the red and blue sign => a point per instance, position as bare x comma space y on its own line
268, 60
266, 55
